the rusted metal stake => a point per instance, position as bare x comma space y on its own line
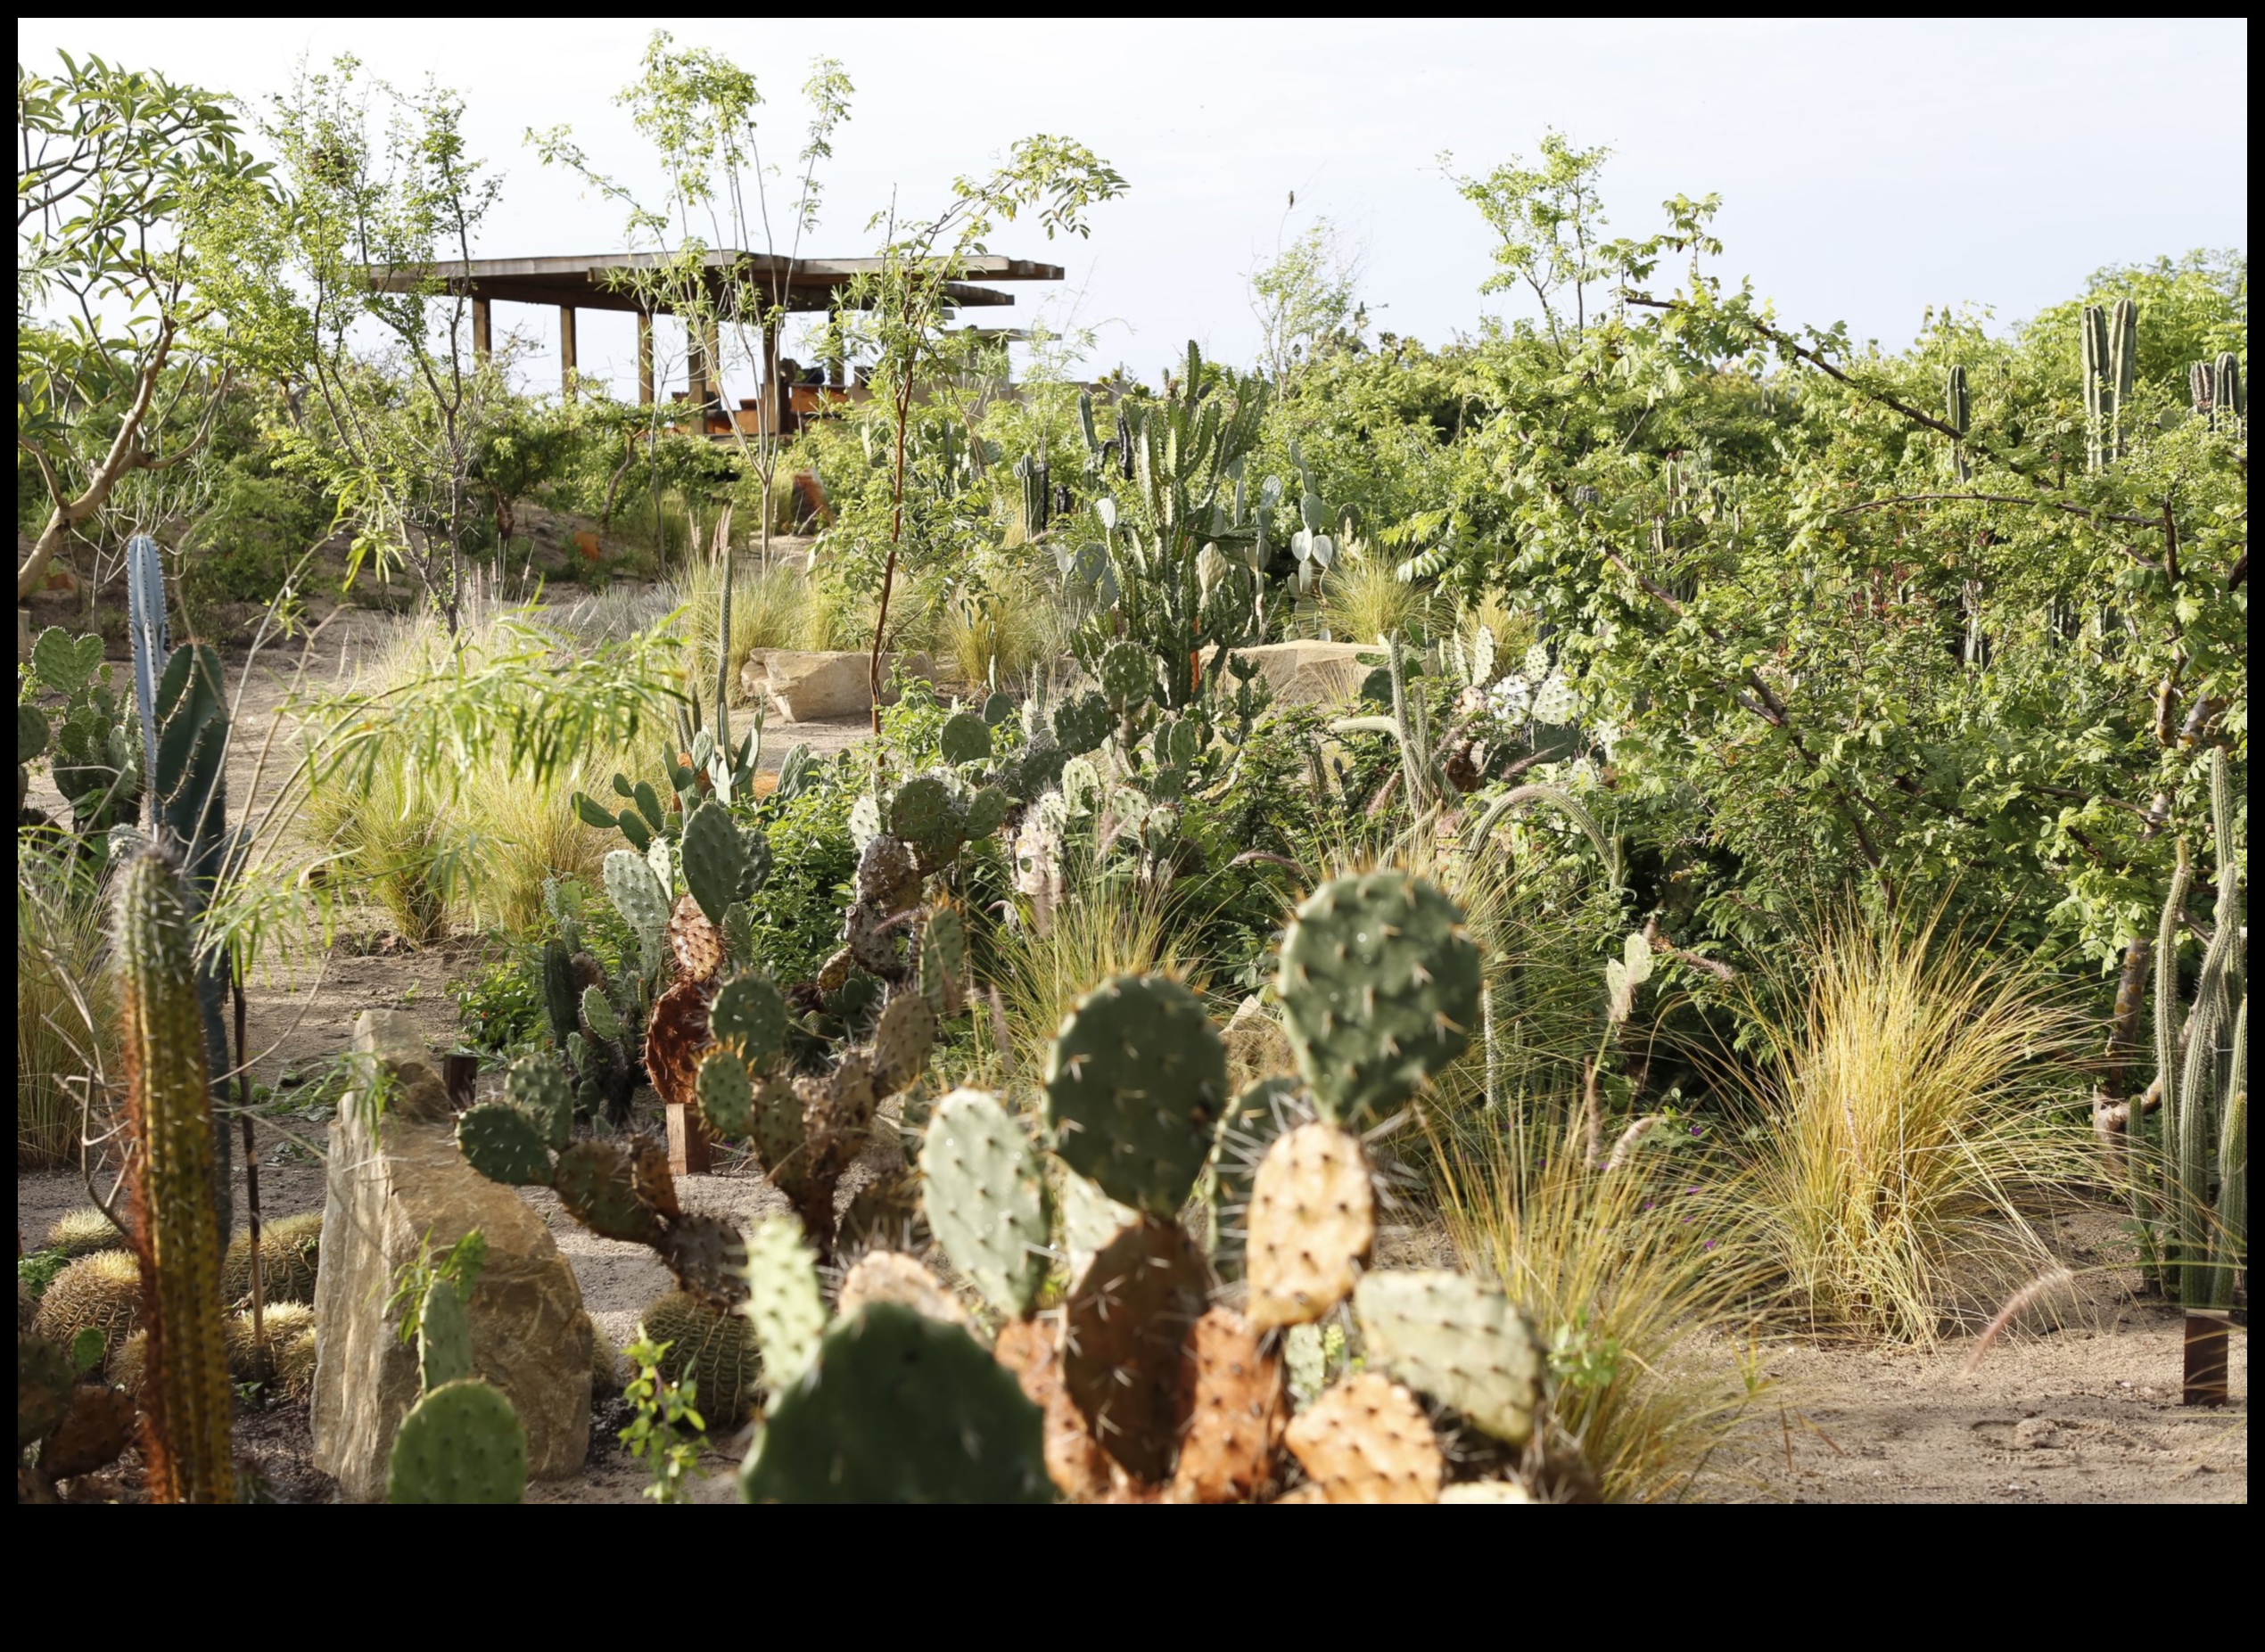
460, 1076
2207, 1334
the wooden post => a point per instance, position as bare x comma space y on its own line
691, 1148
480, 338
566, 352
644, 359
780, 398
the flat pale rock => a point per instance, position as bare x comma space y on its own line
807, 688
1308, 673
389, 1189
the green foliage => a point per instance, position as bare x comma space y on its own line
665, 1431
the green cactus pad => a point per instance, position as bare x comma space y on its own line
943, 961
1128, 675
965, 738
539, 1086
997, 710
463, 1443
634, 828
1080, 785
1465, 1343
504, 1145
727, 1099
923, 813
1379, 988
784, 1305
709, 1257
711, 1347
888, 878
649, 804
1090, 1219
754, 861
1134, 1085
638, 895
901, 1040
749, 1017
901, 1409
595, 1012
714, 859
986, 812
443, 1337
1081, 724
985, 1198
597, 1185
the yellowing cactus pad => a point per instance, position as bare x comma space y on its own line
1367, 1441
1236, 1415
1311, 1221
698, 944
893, 1277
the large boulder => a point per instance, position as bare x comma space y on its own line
393, 1189
1310, 673
811, 687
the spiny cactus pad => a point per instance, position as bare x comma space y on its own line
1310, 1225
711, 1347
1090, 1219
539, 1086
443, 1337
726, 1096
1465, 1343
1128, 675
504, 1145
1134, 1083
676, 1039
1128, 1325
462, 1443
714, 859
640, 898
104, 1290
987, 811
965, 738
708, 1254
1367, 1441
750, 1017
783, 1306
885, 1212
943, 961
1081, 724
694, 942
893, 1277
888, 879
985, 1198
597, 1184
923, 813
901, 1040
1074, 1461
901, 1409
1236, 1412
1379, 986
779, 1137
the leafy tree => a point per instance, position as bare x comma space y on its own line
1307, 301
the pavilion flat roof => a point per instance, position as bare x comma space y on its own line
593, 282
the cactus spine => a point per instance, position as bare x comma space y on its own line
2110, 345
169, 1105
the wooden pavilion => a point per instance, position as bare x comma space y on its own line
571, 284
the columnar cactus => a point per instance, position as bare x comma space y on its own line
170, 1108
2110, 359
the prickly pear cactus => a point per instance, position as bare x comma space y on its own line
641, 898
1080, 725
943, 961
726, 1096
463, 1443
504, 1145
677, 1038
749, 1018
596, 1012
1129, 1320
900, 1408
985, 1198
784, 1306
1090, 1219
714, 860
888, 880
986, 812
1135, 1084
1237, 1410
924, 814
1367, 1441
696, 943
1310, 1225
1074, 1461
893, 1277
599, 1184
1128, 675
1379, 987
538, 1086
1463, 1343
901, 1040
443, 1337
965, 738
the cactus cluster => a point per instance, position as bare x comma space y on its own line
2111, 364
78, 1422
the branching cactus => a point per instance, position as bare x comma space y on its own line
2110, 366
2202, 1065
187, 1397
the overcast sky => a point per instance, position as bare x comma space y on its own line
1866, 169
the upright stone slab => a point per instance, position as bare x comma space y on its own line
809, 687
388, 1191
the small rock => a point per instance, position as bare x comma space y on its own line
2033, 1434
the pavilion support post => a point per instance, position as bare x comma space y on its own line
695, 376
644, 358
482, 340
566, 368
712, 353
779, 397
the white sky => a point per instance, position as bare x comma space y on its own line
1867, 169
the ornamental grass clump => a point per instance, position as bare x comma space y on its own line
1907, 1129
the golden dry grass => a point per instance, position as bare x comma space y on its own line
1906, 1130
66, 1007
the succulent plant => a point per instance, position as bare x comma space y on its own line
711, 1347
102, 1291
290, 1258
1367, 1441
443, 1337
985, 1198
784, 1307
1310, 1225
1135, 1083
461, 1443
892, 1277
1237, 1410
1129, 1319
1463, 1343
